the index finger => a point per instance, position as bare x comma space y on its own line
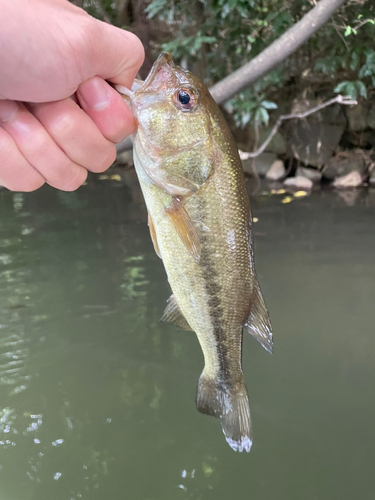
117, 54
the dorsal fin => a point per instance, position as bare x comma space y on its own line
258, 323
173, 314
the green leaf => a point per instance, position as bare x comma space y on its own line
262, 116
245, 118
327, 66
155, 7
269, 105
361, 88
340, 87
348, 88
348, 31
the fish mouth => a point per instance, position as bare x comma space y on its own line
141, 86
164, 58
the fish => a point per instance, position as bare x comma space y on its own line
200, 223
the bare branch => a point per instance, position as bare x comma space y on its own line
288, 43
270, 57
340, 35
345, 100
340, 99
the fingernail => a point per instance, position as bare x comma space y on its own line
7, 110
95, 94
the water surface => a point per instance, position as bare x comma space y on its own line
97, 396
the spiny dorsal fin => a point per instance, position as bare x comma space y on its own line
173, 314
184, 227
153, 236
258, 323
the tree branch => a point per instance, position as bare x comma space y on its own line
279, 50
288, 43
340, 99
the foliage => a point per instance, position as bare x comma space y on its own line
215, 37
352, 59
251, 105
221, 35
247, 108
352, 88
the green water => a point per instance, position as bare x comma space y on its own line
97, 396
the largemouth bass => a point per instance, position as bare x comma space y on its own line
200, 223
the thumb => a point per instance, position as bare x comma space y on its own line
116, 54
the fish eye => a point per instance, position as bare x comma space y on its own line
185, 99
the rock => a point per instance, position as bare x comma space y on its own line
277, 171
371, 117
299, 183
262, 163
364, 140
311, 173
276, 187
277, 145
372, 178
344, 163
313, 143
357, 117
314, 139
333, 115
352, 180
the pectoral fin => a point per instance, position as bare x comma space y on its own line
153, 236
258, 323
184, 227
173, 314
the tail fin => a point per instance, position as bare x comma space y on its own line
231, 405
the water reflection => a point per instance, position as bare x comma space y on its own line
97, 396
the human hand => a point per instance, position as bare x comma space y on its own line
59, 118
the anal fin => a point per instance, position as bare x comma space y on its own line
258, 323
173, 314
184, 227
153, 236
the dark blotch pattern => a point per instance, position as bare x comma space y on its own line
213, 290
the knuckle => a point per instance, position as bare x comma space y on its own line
25, 183
6, 144
138, 50
34, 184
40, 146
62, 125
17, 173
104, 161
75, 180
